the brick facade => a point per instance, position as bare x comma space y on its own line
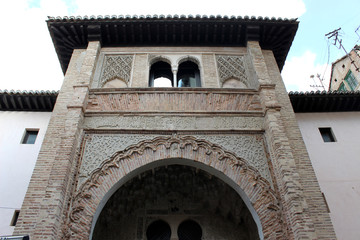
64, 201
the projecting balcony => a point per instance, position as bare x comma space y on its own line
173, 101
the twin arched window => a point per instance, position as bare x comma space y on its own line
187, 75
187, 230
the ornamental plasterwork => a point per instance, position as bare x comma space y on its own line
174, 123
249, 147
116, 66
231, 67
112, 170
100, 147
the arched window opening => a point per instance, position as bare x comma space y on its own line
158, 230
189, 230
161, 75
188, 75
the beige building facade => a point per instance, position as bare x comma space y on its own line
345, 72
218, 155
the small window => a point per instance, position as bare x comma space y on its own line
158, 230
15, 218
30, 136
189, 230
342, 87
351, 80
327, 134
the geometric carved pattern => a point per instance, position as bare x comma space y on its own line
99, 147
118, 66
231, 67
249, 147
93, 190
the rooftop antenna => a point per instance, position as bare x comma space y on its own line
356, 31
337, 41
320, 80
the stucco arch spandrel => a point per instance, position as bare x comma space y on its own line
111, 171
188, 58
157, 58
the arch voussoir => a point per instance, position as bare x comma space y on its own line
111, 171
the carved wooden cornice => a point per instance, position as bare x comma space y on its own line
71, 33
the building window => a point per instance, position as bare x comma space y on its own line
158, 230
161, 75
189, 230
327, 134
342, 87
188, 75
30, 136
15, 218
351, 80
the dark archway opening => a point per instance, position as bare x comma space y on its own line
176, 194
158, 230
189, 230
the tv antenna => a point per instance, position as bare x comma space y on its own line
320, 80
337, 42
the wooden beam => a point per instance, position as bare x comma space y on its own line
124, 33
107, 30
149, 32
19, 101
28, 102
12, 101
116, 30
215, 33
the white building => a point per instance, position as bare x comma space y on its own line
329, 124
345, 72
24, 118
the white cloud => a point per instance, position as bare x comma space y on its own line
297, 73
29, 61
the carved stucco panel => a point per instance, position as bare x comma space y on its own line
174, 123
100, 147
116, 66
231, 67
249, 147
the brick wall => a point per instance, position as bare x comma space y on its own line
291, 208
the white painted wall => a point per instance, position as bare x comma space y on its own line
337, 166
17, 160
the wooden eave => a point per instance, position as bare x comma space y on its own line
325, 101
71, 33
38, 101
302, 102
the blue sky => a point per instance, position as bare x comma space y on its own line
311, 51
321, 17
33, 64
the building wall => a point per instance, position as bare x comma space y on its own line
336, 165
100, 137
17, 160
342, 67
